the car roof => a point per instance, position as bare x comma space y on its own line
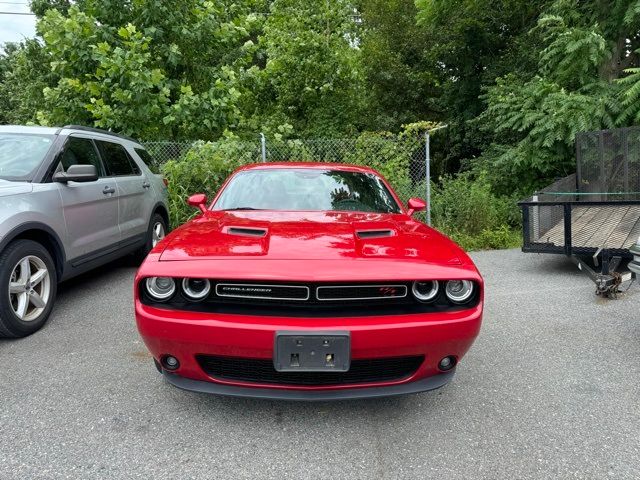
95, 132
308, 165
29, 129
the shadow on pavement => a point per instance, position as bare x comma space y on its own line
98, 274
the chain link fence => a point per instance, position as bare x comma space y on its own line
165, 151
400, 158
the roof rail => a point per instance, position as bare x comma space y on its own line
99, 130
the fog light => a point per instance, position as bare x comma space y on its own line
170, 363
447, 363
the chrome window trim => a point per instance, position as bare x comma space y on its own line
359, 298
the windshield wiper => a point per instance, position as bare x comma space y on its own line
240, 208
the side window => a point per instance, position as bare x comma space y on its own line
80, 151
116, 159
146, 157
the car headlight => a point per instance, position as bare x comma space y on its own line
459, 291
196, 288
160, 288
425, 291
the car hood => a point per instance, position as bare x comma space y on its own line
308, 236
14, 188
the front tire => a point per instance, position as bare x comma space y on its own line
28, 286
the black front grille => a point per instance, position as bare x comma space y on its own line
253, 370
315, 299
262, 292
360, 292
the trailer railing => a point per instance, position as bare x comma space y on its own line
557, 220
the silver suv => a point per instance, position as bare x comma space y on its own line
71, 199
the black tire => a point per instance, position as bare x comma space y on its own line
142, 253
11, 325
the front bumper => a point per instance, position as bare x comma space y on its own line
423, 385
185, 335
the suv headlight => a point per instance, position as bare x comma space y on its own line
196, 288
160, 288
459, 291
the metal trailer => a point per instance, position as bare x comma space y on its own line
592, 216
634, 265
604, 230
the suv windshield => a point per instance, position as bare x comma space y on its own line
299, 189
21, 154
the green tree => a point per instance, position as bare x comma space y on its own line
152, 69
311, 81
400, 80
469, 43
533, 120
24, 73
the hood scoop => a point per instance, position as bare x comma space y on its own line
255, 232
377, 233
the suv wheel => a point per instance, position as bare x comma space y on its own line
156, 232
28, 286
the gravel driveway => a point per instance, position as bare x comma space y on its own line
551, 389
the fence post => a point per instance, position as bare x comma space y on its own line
263, 147
427, 148
428, 174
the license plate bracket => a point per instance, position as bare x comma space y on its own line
318, 352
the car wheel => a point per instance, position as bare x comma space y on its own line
28, 285
156, 232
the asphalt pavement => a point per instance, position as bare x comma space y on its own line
551, 389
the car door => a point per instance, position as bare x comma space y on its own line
91, 208
133, 191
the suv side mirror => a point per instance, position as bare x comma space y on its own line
77, 173
416, 205
198, 200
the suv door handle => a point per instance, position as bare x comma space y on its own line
146, 185
107, 190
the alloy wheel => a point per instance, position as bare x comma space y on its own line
157, 234
29, 288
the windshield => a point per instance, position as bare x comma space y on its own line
299, 189
21, 154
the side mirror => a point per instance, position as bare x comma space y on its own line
416, 205
198, 200
77, 173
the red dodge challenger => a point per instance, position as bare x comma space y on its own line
307, 281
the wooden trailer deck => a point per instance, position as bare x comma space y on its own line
607, 227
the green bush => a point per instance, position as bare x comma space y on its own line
465, 208
500, 238
202, 169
